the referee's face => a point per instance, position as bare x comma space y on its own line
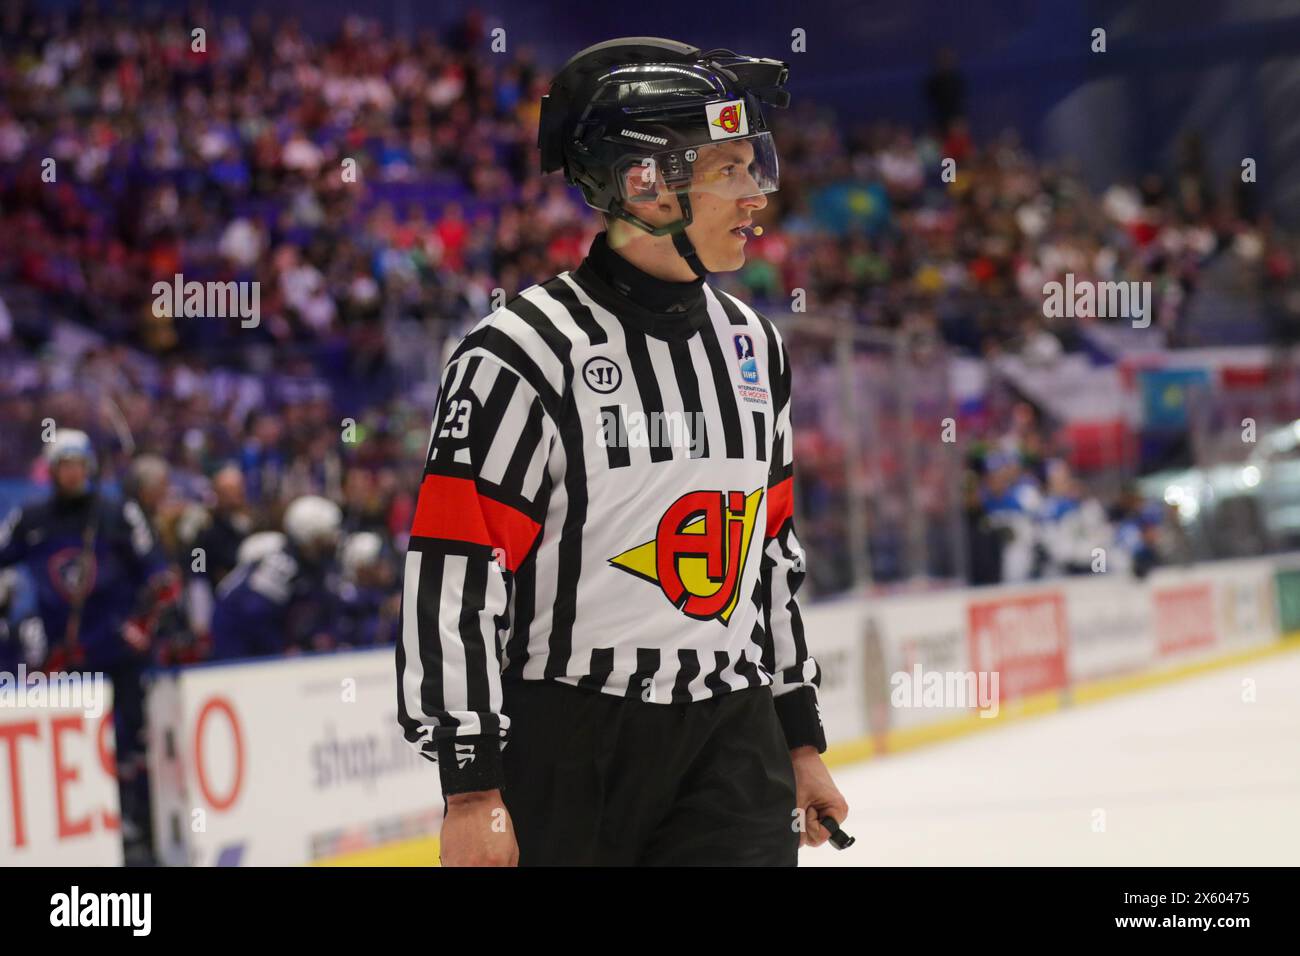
724, 196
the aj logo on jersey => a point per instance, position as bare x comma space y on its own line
698, 553
745, 356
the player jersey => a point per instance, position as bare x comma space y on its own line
271, 605
87, 553
607, 503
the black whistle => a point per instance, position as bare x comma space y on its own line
840, 839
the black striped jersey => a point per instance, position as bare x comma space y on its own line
606, 503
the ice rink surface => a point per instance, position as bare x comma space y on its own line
1186, 774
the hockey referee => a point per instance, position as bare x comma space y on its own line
601, 643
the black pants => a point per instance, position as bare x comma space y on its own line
595, 779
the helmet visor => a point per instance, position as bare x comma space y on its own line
731, 169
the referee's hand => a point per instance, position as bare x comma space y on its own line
477, 831
816, 794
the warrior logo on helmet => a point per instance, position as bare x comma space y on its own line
698, 553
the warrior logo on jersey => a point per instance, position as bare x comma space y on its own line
602, 375
745, 356
698, 554
726, 119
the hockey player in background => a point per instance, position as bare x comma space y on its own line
218, 531
1012, 503
101, 584
601, 643
281, 598
22, 637
369, 603
1072, 525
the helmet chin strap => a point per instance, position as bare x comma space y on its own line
681, 242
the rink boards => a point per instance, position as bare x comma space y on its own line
1049, 644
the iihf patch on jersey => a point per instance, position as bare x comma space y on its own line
745, 356
750, 392
697, 556
727, 120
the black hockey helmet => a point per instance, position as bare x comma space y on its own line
657, 108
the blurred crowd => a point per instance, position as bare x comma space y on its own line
370, 178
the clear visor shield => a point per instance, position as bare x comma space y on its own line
730, 169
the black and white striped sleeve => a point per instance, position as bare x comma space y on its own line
786, 655
478, 517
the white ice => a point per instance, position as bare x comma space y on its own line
1188, 773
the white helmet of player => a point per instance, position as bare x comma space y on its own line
70, 443
311, 518
360, 550
258, 545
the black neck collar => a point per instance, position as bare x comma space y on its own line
656, 306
